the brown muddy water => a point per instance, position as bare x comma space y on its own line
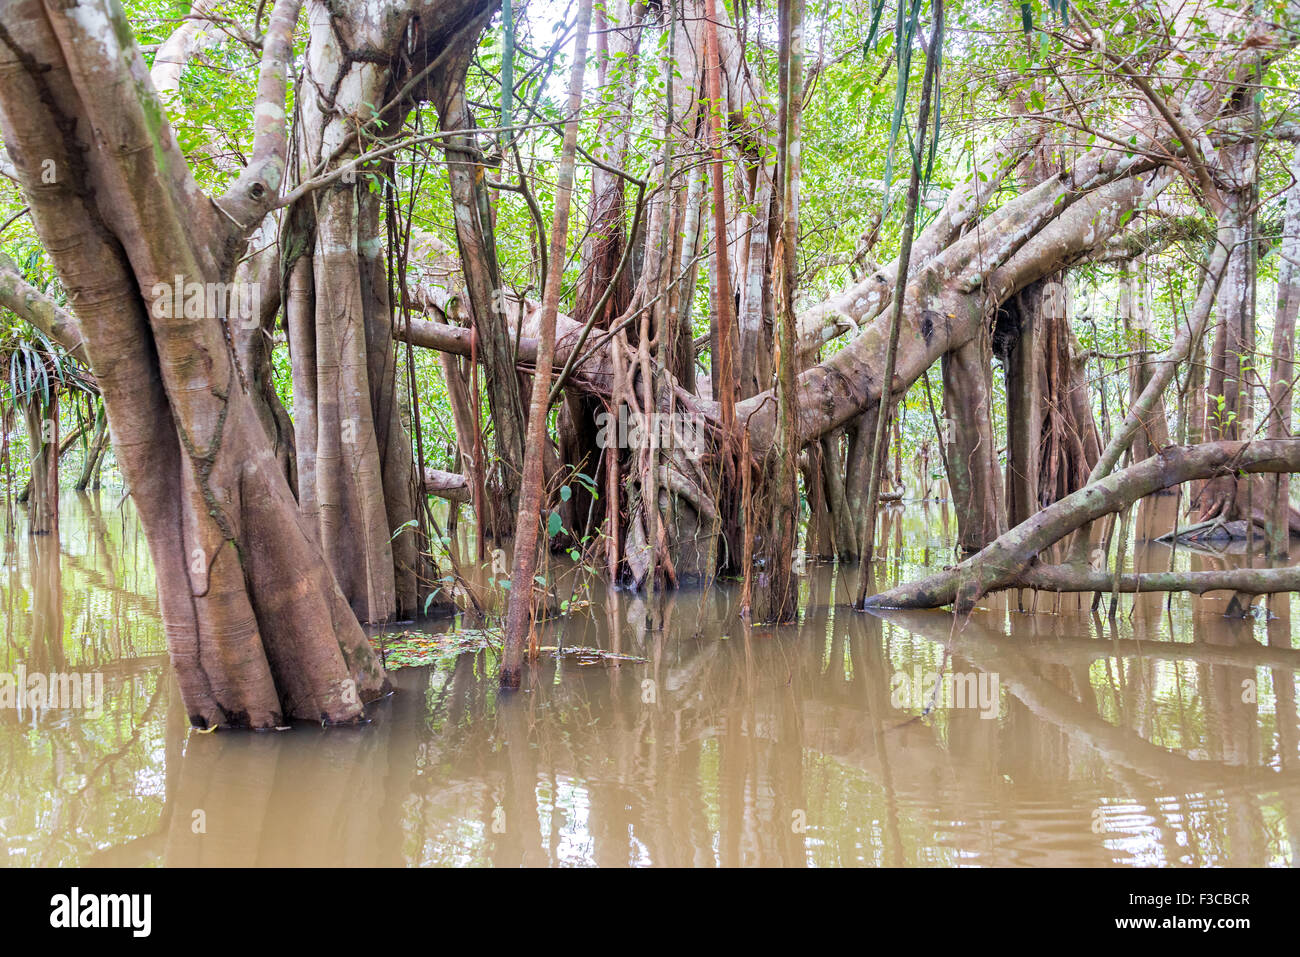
1163, 737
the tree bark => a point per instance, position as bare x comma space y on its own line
1281, 397
780, 593
89, 477
1001, 563
532, 493
42, 418
357, 485
974, 473
724, 331
1070, 578
257, 627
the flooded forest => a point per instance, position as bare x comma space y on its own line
686, 433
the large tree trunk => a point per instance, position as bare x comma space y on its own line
777, 598
357, 488
1281, 395
974, 473
1052, 441
42, 494
94, 460
257, 627
1224, 498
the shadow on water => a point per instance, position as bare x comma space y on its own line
1162, 736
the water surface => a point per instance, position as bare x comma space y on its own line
1166, 736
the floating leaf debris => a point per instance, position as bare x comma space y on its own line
413, 649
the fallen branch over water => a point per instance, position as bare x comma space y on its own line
449, 485
1002, 563
1072, 578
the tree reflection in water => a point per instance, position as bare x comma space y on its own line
1158, 737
